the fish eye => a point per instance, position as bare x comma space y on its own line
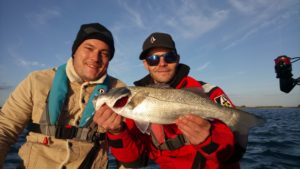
101, 91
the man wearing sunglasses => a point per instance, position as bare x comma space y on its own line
192, 142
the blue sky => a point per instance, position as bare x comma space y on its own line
230, 43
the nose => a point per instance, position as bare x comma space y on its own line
162, 61
94, 55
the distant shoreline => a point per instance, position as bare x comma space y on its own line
268, 107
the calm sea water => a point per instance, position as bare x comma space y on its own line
274, 145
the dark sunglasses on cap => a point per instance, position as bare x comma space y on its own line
169, 57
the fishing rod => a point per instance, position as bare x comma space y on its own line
283, 69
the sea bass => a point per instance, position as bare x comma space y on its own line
165, 105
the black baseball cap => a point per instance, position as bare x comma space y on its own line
157, 40
94, 31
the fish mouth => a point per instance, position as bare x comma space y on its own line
121, 102
122, 95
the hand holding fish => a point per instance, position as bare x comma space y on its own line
106, 118
163, 106
195, 128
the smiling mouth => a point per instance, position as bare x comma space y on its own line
93, 66
163, 71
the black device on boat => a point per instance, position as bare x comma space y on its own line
283, 69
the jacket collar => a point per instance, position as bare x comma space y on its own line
74, 77
181, 72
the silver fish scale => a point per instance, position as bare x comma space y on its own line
171, 95
157, 111
165, 105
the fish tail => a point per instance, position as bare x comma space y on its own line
245, 122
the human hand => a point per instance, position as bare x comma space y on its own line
195, 128
106, 118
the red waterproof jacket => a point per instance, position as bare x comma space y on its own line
133, 149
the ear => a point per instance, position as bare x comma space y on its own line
146, 66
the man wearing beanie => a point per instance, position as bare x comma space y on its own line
57, 106
192, 142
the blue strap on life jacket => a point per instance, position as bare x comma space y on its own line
89, 108
59, 93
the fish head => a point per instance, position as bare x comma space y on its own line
117, 99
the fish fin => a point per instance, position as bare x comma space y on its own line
137, 99
143, 126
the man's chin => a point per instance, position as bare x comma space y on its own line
163, 80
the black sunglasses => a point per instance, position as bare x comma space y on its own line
169, 57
